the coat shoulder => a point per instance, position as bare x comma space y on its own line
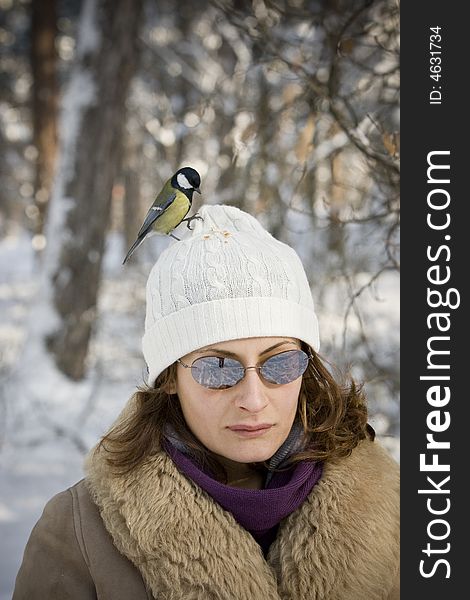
367, 484
114, 576
53, 565
71, 555
370, 460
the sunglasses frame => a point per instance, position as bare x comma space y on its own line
245, 369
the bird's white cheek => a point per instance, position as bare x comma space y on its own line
183, 181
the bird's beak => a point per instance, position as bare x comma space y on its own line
197, 190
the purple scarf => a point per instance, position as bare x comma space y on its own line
258, 511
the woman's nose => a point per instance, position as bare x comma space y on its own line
251, 392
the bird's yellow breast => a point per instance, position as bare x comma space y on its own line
174, 214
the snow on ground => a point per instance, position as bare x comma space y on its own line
42, 440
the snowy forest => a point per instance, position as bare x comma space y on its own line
289, 110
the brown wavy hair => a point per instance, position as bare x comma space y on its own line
333, 415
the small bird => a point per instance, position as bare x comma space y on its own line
170, 207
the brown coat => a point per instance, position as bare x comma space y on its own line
157, 535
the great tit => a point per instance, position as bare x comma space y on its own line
170, 206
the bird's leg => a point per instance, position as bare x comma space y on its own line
189, 219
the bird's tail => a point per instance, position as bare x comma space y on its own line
134, 246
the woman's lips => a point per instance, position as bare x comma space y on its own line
250, 431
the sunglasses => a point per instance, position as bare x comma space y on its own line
218, 373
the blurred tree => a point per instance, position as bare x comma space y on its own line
44, 101
92, 123
133, 212
16, 155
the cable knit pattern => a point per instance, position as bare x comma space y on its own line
227, 279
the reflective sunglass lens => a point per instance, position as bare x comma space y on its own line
285, 367
217, 373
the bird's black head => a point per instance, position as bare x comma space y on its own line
187, 180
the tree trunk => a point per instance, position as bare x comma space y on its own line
107, 57
44, 101
134, 211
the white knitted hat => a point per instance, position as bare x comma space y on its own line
227, 279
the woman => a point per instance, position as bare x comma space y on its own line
242, 471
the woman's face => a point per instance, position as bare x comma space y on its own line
218, 417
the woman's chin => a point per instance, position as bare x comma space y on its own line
248, 455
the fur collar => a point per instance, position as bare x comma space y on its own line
342, 544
